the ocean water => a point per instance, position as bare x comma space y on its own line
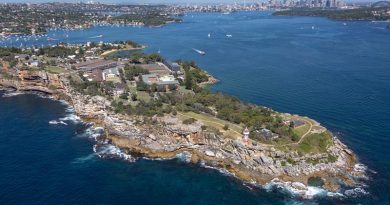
337, 74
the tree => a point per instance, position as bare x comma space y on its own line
188, 78
134, 97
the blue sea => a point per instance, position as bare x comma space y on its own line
335, 72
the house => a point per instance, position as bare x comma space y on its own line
173, 66
95, 64
156, 68
164, 83
150, 79
22, 57
119, 89
94, 75
111, 74
266, 134
296, 123
33, 63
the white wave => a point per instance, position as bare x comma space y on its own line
71, 117
55, 122
93, 133
297, 189
97, 132
12, 94
360, 168
220, 170
111, 151
356, 192
158, 158
184, 156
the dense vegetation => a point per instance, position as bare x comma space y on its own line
132, 71
57, 51
93, 88
349, 14
151, 19
37, 18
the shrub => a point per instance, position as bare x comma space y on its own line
226, 127
189, 121
204, 127
332, 158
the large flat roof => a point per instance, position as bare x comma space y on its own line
94, 63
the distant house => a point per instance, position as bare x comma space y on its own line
173, 66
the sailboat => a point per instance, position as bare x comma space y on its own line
199, 51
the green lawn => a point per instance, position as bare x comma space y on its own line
211, 121
55, 69
302, 129
315, 143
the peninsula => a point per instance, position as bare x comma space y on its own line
153, 107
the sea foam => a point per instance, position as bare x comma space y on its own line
297, 189
55, 122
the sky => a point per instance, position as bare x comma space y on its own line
136, 1
153, 1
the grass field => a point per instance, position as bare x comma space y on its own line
55, 69
302, 129
211, 121
315, 143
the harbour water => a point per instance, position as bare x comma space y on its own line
333, 72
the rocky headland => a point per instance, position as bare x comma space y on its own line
167, 137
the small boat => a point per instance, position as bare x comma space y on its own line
209, 35
199, 51
99, 36
226, 13
312, 28
344, 24
51, 39
229, 35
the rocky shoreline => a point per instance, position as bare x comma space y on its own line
166, 137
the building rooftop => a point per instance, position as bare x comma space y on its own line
96, 64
